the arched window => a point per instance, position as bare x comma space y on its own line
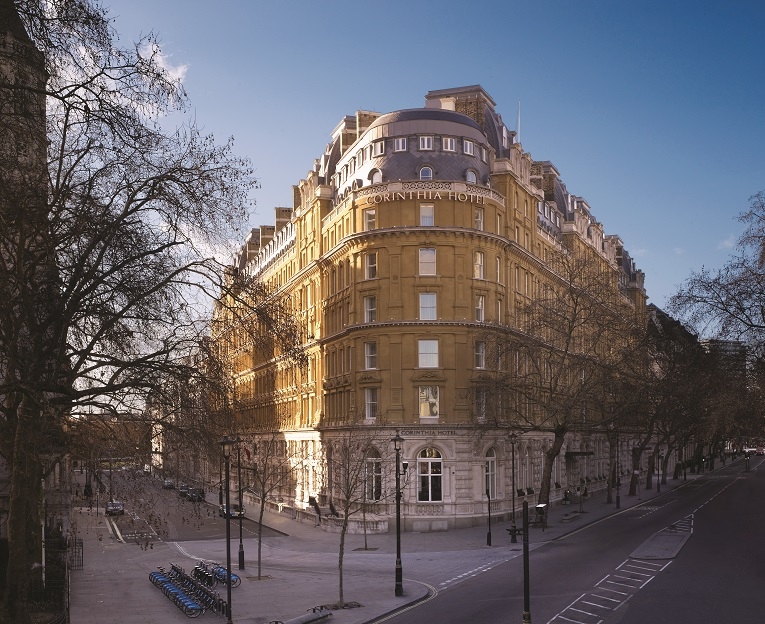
470, 176
375, 176
426, 173
429, 474
373, 475
491, 473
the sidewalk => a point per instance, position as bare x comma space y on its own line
300, 569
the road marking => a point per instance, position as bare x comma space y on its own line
624, 578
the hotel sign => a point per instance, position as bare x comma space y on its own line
424, 195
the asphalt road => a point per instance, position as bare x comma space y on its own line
589, 577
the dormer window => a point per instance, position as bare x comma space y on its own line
447, 144
376, 176
426, 142
399, 144
378, 148
468, 147
470, 176
426, 173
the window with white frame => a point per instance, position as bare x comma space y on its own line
468, 147
370, 309
470, 177
376, 176
378, 148
370, 265
370, 403
499, 270
447, 144
360, 157
370, 355
426, 142
370, 219
429, 476
480, 308
478, 218
478, 265
484, 154
428, 306
491, 473
427, 353
426, 173
399, 144
480, 354
427, 215
427, 261
428, 401
373, 475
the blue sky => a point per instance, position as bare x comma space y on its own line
651, 110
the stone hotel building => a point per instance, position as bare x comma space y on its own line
412, 233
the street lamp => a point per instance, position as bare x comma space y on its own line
226, 444
397, 441
513, 528
241, 509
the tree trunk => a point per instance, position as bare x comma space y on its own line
260, 531
343, 531
637, 451
24, 524
550, 455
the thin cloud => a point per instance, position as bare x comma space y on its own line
678, 251
728, 243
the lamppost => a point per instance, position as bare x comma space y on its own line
488, 535
241, 509
526, 576
513, 528
226, 444
618, 474
397, 441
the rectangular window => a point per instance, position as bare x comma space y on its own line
480, 354
429, 470
373, 478
427, 306
484, 154
370, 309
447, 144
370, 219
360, 157
499, 270
426, 142
480, 308
428, 401
399, 144
427, 261
427, 352
468, 147
478, 265
370, 355
370, 265
478, 219
370, 403
499, 310
427, 218
378, 148
491, 476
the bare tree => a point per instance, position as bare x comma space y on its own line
110, 230
356, 458
271, 466
546, 372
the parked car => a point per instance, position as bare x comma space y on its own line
196, 494
115, 508
168, 484
183, 490
235, 512
760, 451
